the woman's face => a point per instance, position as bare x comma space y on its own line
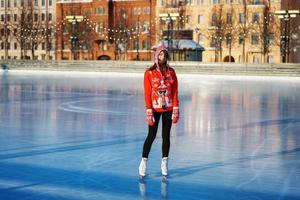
162, 57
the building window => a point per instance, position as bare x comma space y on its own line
100, 27
200, 38
15, 45
137, 11
43, 3
2, 17
100, 11
2, 3
15, 31
242, 18
174, 2
189, 2
135, 44
8, 45
216, 1
15, 3
189, 19
255, 17
256, 59
241, 59
270, 59
146, 27
229, 18
228, 39
8, 17
257, 2
145, 44
8, 3
43, 16
213, 42
50, 17
15, 17
214, 19
36, 2
200, 19
146, 10
2, 31
200, 2
43, 46
50, 2
50, 46
270, 38
241, 38
36, 17
255, 38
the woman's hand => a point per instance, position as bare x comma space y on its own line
150, 118
175, 115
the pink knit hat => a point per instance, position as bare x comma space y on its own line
159, 49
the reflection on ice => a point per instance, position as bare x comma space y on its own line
82, 134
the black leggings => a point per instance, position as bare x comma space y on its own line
152, 130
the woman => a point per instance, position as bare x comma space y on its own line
161, 99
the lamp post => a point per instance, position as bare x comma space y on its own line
169, 18
198, 40
286, 15
74, 19
137, 37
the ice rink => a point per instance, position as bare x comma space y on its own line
79, 136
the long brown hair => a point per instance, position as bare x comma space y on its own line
153, 67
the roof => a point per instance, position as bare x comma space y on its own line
181, 44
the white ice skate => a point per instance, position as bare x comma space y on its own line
143, 167
164, 166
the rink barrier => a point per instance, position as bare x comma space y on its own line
140, 66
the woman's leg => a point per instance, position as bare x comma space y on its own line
166, 129
152, 130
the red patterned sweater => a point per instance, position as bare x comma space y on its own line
161, 92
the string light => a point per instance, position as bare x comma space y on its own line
53, 28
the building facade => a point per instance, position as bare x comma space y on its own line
104, 30
294, 32
230, 30
27, 29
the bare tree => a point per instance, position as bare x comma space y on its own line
230, 34
86, 37
122, 35
247, 25
29, 29
5, 31
82, 40
217, 30
270, 31
48, 32
21, 31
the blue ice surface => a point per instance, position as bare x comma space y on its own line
78, 136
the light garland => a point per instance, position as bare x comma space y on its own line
53, 28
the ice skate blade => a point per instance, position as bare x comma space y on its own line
142, 176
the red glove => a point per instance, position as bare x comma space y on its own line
175, 115
150, 117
